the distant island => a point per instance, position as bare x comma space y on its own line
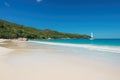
9, 30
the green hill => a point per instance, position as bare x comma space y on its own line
9, 30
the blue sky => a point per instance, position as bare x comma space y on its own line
74, 16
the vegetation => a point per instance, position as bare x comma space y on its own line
10, 30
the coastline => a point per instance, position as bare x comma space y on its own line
28, 62
112, 49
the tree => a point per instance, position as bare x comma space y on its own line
12, 30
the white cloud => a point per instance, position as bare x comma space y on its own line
39, 1
7, 4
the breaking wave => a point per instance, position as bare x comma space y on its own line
112, 49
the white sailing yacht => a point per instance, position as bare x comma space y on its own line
92, 36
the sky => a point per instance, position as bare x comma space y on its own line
102, 17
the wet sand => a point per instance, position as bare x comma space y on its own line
27, 63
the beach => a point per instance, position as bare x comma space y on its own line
32, 61
59, 39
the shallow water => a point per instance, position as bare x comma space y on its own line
102, 42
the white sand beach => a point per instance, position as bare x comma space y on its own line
49, 64
4, 51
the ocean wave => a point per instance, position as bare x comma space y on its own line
112, 49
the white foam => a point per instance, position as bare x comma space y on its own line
112, 49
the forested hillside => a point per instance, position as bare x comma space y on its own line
9, 30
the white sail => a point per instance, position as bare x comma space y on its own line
92, 36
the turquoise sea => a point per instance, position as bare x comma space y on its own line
98, 50
104, 45
101, 42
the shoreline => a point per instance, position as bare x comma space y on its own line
50, 64
85, 46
